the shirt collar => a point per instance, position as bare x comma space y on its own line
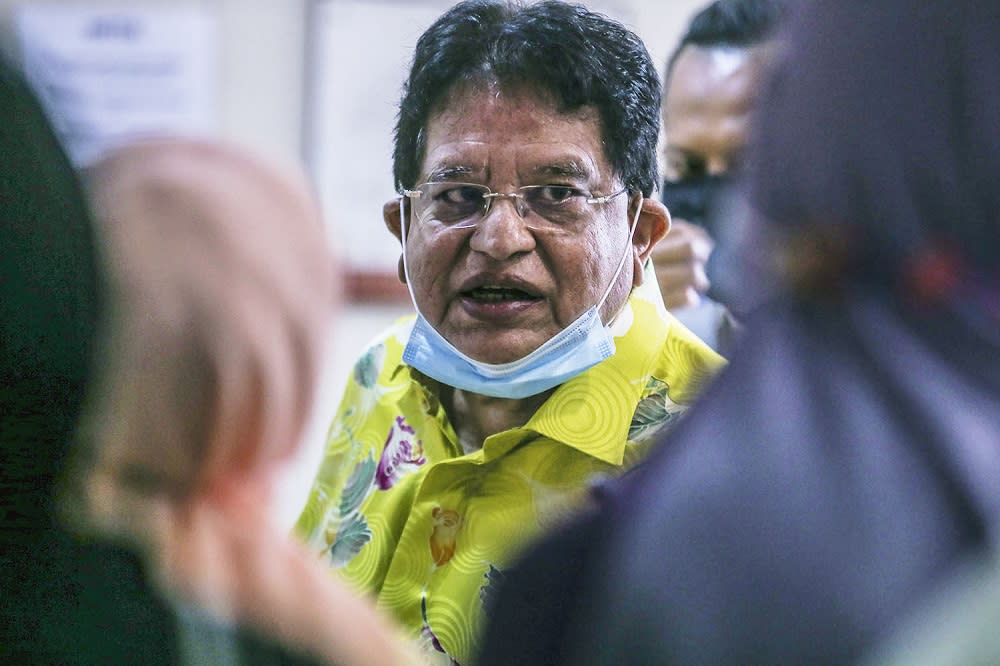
593, 411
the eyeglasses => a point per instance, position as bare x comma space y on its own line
464, 205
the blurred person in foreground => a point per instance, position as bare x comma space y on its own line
957, 626
713, 79
542, 356
65, 597
54, 590
221, 292
846, 461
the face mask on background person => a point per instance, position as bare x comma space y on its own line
693, 198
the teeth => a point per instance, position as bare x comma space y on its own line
495, 294
493, 297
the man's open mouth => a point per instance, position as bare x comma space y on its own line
487, 294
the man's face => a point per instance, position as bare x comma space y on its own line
706, 113
501, 288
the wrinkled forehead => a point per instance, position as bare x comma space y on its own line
486, 132
483, 161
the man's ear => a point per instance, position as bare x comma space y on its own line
652, 225
391, 213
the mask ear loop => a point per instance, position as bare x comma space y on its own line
625, 255
405, 231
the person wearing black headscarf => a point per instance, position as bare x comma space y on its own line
847, 461
73, 590
50, 306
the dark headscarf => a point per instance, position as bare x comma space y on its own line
848, 458
60, 601
49, 309
876, 157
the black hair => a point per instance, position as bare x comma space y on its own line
734, 23
578, 57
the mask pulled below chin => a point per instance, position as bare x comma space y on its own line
578, 347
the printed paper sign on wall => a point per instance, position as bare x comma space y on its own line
109, 75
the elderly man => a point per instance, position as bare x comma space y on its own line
542, 357
712, 81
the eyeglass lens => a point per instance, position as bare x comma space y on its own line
464, 204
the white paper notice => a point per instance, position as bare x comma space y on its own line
113, 75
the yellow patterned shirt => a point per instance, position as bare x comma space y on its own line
408, 517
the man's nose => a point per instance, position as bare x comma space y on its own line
502, 232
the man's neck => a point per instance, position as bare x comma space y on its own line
475, 417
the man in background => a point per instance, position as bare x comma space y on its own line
710, 89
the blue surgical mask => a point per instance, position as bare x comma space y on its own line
578, 347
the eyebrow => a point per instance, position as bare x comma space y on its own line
570, 169
446, 173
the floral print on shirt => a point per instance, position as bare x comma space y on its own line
654, 413
401, 454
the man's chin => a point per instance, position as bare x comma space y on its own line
500, 348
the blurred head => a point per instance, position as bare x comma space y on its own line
221, 293
50, 305
870, 171
712, 81
504, 96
